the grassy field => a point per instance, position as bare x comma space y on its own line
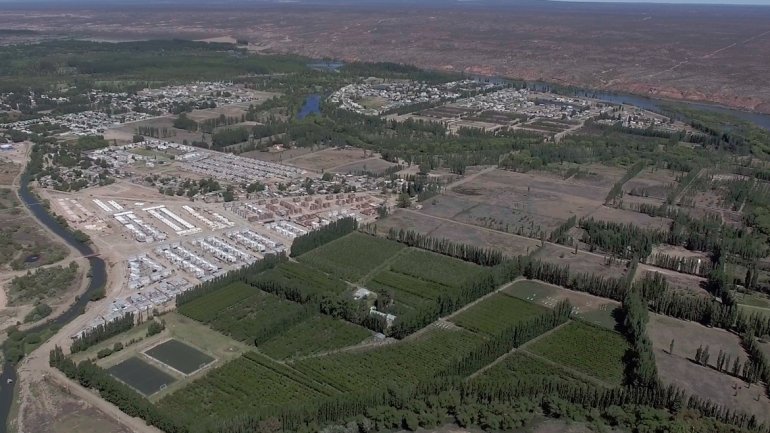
404, 362
496, 313
352, 256
318, 334
588, 349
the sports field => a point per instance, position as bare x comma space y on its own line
141, 375
180, 356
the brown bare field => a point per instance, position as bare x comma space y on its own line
677, 251
374, 165
676, 280
654, 184
712, 55
581, 262
705, 382
277, 156
510, 245
8, 171
688, 336
524, 203
604, 213
329, 159
51, 408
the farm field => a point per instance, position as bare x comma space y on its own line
141, 375
352, 256
309, 280
415, 277
622, 216
495, 314
434, 267
327, 159
179, 356
407, 361
206, 308
582, 262
521, 203
250, 384
678, 368
651, 183
689, 336
590, 308
588, 349
520, 364
312, 336
407, 292
508, 244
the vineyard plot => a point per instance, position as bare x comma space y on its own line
408, 361
207, 307
519, 365
251, 384
435, 268
496, 313
588, 349
318, 334
352, 256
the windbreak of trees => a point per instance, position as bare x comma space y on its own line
102, 332
622, 240
466, 252
640, 359
324, 235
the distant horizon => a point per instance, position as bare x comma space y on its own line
685, 2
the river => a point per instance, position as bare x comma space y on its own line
312, 105
98, 279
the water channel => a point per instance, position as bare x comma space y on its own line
98, 278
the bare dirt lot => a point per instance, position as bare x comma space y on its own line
676, 280
705, 382
581, 262
51, 408
652, 183
509, 244
522, 203
622, 216
329, 159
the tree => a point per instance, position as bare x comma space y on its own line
671, 347
404, 201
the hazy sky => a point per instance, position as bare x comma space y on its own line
720, 2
